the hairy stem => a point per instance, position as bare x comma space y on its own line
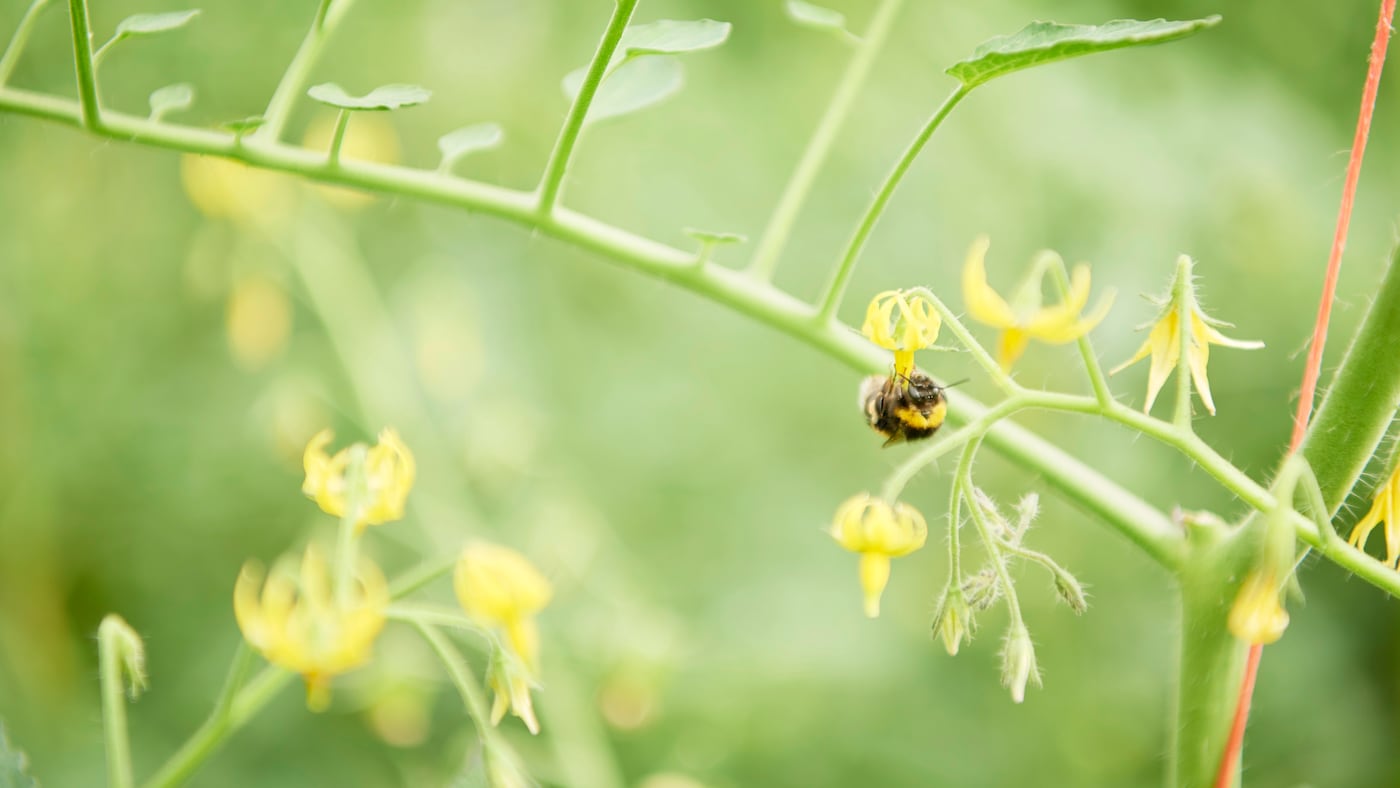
1092, 367
552, 182
836, 288
114, 729
775, 236
293, 82
19, 40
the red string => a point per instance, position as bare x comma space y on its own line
1225, 777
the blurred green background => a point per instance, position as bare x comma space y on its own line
670, 464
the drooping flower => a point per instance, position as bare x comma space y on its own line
1258, 615
953, 621
1164, 342
1384, 509
500, 588
297, 621
388, 471
1025, 317
877, 532
510, 684
903, 322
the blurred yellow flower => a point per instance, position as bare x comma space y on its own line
388, 476
1385, 509
225, 189
878, 532
1257, 615
369, 137
298, 624
1025, 317
258, 320
500, 588
1164, 342
511, 687
914, 326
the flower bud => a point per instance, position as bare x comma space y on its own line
953, 622
1018, 666
1070, 591
115, 633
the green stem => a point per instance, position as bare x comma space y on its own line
421, 576
1122, 510
1362, 400
113, 704
91, 111
775, 236
1181, 417
1097, 379
1211, 659
342, 123
836, 289
294, 79
552, 182
19, 40
963, 481
226, 719
979, 353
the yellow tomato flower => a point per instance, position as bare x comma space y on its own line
297, 623
226, 189
510, 684
388, 469
1025, 318
1257, 615
500, 588
914, 326
258, 320
1385, 509
877, 532
1164, 342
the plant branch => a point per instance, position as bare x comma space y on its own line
552, 182
90, 116
294, 79
775, 236
19, 40
118, 742
836, 288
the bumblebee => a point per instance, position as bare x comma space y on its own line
903, 408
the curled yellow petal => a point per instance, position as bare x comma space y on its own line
982, 302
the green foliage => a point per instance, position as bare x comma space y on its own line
816, 17
171, 98
243, 126
713, 238
640, 74
152, 24
1040, 43
385, 97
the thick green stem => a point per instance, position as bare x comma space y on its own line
294, 79
836, 289
91, 115
770, 246
1362, 400
19, 40
226, 719
1211, 660
552, 182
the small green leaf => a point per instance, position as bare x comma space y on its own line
636, 84
384, 97
712, 238
171, 98
669, 37
14, 765
470, 139
243, 125
816, 17
150, 24
1046, 42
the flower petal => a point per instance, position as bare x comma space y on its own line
1012, 345
1166, 350
982, 302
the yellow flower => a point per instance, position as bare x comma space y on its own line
258, 320
1257, 615
1025, 318
249, 197
511, 684
501, 589
915, 327
1385, 509
388, 471
297, 623
878, 532
1164, 342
